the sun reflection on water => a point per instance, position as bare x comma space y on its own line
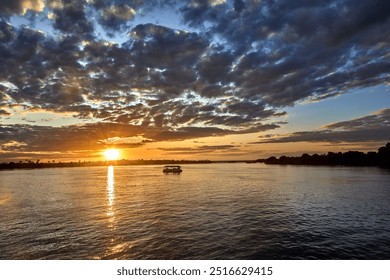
5, 198
115, 245
110, 192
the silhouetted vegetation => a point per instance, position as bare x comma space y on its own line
28, 164
352, 158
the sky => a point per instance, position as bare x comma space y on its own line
192, 79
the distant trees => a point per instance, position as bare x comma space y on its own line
29, 164
354, 158
384, 155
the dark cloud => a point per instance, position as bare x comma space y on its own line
215, 67
375, 127
201, 149
363, 16
380, 119
70, 17
42, 71
239, 66
291, 51
4, 113
125, 142
7, 32
160, 47
239, 5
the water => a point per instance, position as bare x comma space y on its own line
211, 211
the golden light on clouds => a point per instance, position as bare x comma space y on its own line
35, 5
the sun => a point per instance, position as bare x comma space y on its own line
111, 154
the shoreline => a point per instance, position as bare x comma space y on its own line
45, 165
350, 158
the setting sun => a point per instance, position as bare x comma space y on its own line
111, 154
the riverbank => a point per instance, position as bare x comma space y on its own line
350, 158
38, 165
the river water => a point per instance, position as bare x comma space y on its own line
209, 211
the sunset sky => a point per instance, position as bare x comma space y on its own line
194, 79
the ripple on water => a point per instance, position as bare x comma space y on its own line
216, 211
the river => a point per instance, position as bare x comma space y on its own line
209, 211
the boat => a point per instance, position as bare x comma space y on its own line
172, 169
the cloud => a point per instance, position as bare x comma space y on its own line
70, 18
374, 127
232, 68
377, 119
90, 137
10, 7
215, 68
291, 51
125, 142
275, 60
201, 149
116, 17
4, 113
161, 47
12, 145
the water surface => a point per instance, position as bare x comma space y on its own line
210, 211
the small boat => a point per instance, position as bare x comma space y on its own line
172, 169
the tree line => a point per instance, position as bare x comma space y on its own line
352, 158
29, 164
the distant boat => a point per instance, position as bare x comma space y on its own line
172, 169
